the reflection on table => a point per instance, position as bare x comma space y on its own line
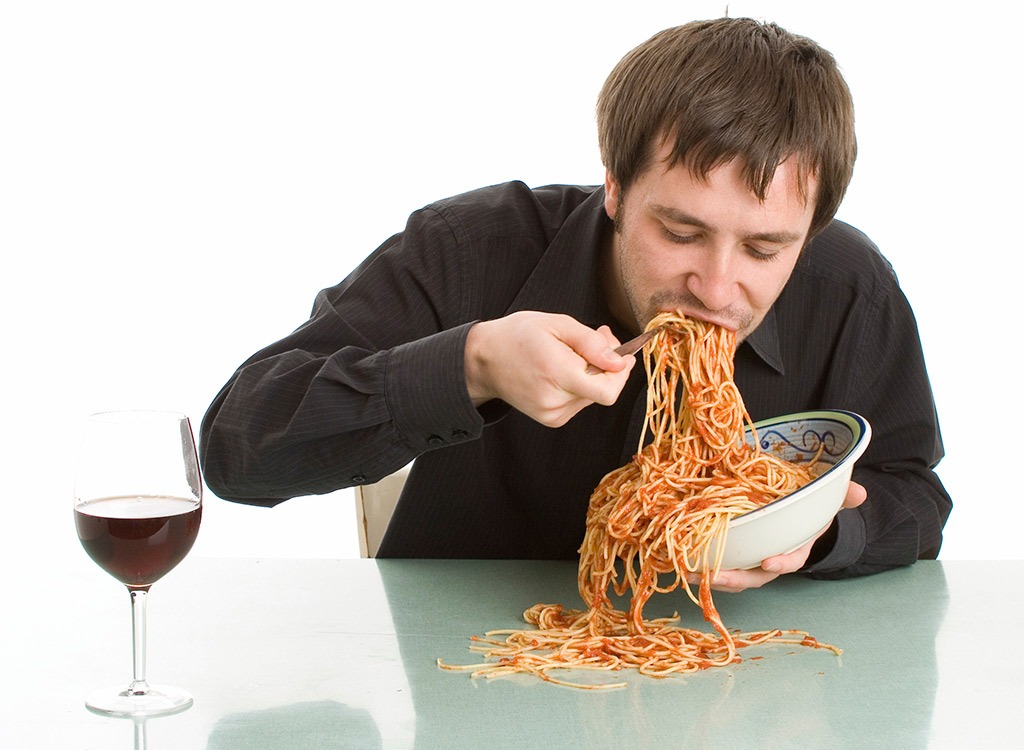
342, 654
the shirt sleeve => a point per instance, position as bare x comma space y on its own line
373, 379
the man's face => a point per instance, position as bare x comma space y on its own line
709, 248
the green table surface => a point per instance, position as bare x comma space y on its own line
342, 654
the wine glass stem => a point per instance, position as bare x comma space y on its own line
140, 733
139, 685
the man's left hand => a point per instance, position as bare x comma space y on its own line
773, 567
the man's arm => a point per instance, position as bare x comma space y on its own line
393, 363
907, 506
850, 341
292, 422
537, 363
373, 379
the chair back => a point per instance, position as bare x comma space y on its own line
374, 505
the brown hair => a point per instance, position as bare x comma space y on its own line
728, 88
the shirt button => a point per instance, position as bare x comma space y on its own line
460, 434
435, 440
358, 478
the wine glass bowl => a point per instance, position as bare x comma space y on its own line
138, 540
137, 511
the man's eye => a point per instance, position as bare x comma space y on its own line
756, 254
681, 239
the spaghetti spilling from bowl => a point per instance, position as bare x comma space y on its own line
655, 523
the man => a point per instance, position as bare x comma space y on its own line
464, 341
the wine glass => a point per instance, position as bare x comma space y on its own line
138, 504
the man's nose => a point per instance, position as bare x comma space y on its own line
713, 281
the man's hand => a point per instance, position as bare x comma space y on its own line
772, 567
537, 363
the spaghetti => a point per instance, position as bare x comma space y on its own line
655, 522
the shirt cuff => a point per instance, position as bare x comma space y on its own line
849, 543
425, 389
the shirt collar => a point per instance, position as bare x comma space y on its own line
567, 278
764, 340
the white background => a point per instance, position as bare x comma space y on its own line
178, 179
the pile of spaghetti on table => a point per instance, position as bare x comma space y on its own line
650, 523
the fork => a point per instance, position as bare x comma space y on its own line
630, 347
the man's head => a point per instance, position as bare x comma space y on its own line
727, 145
731, 89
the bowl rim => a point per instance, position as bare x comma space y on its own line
862, 437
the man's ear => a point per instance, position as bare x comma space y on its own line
611, 195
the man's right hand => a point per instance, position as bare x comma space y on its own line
537, 363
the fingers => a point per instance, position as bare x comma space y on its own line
536, 362
604, 358
791, 561
734, 581
855, 495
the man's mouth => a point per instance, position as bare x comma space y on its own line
726, 322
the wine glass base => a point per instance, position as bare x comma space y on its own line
158, 700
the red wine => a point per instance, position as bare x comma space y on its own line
138, 539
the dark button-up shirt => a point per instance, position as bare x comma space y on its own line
375, 378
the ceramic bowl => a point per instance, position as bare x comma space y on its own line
791, 521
